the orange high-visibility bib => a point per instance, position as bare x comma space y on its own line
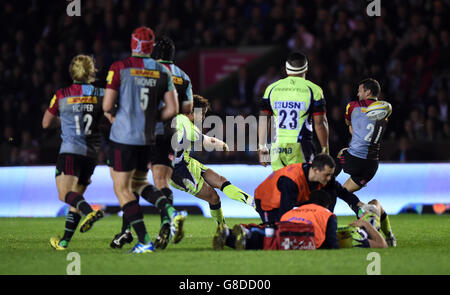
311, 214
268, 191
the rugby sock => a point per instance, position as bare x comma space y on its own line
133, 214
76, 200
125, 224
385, 224
234, 192
217, 213
160, 200
72, 221
169, 194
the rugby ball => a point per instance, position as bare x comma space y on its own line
378, 110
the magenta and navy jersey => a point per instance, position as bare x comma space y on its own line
80, 108
141, 83
367, 133
181, 81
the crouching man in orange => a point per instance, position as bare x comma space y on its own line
287, 187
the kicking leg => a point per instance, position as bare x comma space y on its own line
233, 192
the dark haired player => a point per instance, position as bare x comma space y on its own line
164, 53
287, 187
360, 159
79, 108
191, 176
296, 103
145, 94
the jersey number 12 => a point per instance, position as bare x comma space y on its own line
87, 119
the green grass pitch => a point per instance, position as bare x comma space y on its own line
423, 248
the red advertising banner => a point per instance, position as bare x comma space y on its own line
217, 64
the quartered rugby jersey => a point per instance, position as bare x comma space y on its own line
293, 101
142, 83
80, 108
367, 133
181, 81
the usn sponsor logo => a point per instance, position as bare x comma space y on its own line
300, 105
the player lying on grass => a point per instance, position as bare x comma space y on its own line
309, 226
287, 187
79, 108
292, 232
369, 231
190, 175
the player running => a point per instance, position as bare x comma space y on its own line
191, 176
146, 94
295, 103
162, 152
369, 231
360, 159
77, 109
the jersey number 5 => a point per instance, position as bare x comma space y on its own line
143, 99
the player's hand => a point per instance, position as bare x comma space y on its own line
358, 223
370, 208
263, 155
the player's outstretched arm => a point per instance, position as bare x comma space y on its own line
212, 143
376, 240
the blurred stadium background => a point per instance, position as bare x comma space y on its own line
232, 50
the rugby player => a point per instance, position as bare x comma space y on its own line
191, 176
360, 159
77, 109
162, 152
296, 103
368, 231
291, 185
145, 94
314, 211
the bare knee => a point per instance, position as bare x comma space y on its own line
161, 182
374, 202
213, 198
